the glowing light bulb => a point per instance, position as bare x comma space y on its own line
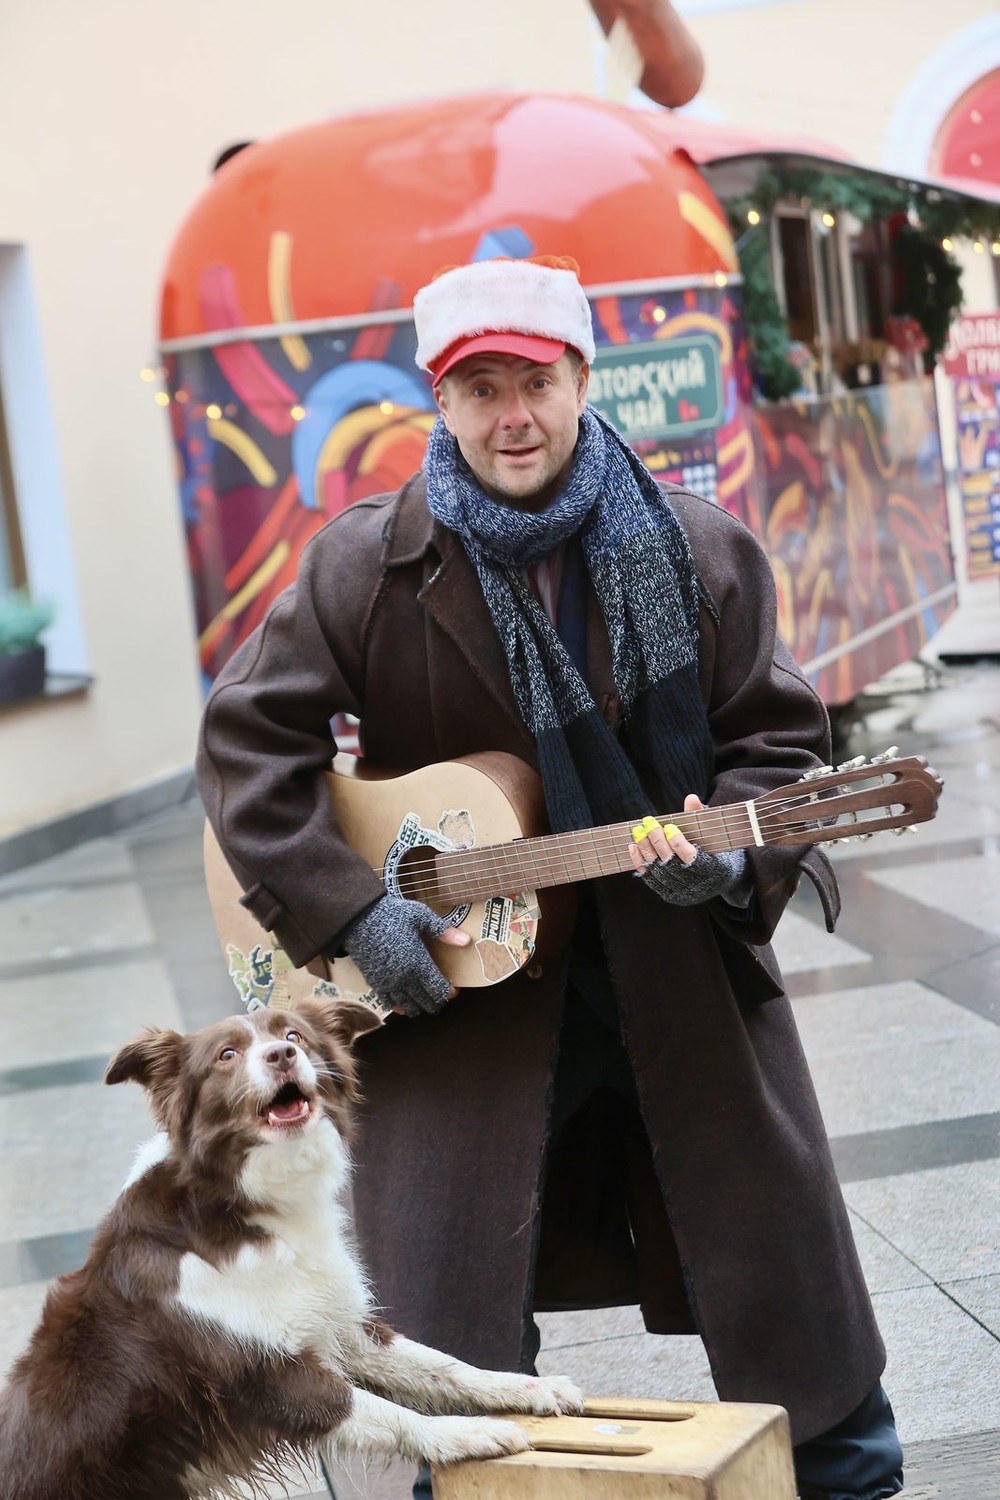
161, 398
721, 279
659, 314
947, 243
386, 408
297, 413
753, 217
146, 373
213, 411
979, 247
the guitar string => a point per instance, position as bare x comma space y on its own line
606, 837
485, 861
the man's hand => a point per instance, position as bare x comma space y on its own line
677, 870
387, 943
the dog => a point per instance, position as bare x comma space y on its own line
222, 1330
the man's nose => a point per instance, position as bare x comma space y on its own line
515, 412
282, 1055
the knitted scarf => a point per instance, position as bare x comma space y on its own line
643, 573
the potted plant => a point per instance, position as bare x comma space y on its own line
22, 653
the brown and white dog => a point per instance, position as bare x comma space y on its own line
222, 1328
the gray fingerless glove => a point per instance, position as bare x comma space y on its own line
706, 876
387, 943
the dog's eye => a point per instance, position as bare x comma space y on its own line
293, 1036
227, 1054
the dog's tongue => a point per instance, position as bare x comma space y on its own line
288, 1114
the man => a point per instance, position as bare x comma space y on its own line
633, 1119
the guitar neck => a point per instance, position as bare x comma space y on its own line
565, 858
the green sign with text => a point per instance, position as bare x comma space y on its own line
659, 390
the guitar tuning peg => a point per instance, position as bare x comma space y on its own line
890, 754
852, 765
816, 773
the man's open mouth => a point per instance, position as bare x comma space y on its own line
289, 1107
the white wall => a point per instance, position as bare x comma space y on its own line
111, 112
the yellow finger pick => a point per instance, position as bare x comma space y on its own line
649, 824
670, 830
638, 833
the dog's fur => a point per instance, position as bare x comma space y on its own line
222, 1328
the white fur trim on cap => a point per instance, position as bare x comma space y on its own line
501, 296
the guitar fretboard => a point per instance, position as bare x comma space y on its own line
564, 858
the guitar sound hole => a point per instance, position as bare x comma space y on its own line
417, 878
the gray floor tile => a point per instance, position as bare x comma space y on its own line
801, 944
84, 1012
97, 859
562, 1328
943, 1370
19, 1310
879, 1088
957, 818
885, 1268
916, 1148
968, 888
669, 1368
58, 922
66, 1154
946, 1221
980, 1296
851, 1021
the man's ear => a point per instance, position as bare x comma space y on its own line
342, 1019
582, 387
153, 1060
441, 397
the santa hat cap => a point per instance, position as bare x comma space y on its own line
534, 308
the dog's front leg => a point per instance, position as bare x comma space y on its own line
377, 1428
431, 1381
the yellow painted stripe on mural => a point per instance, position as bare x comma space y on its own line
257, 581
279, 296
240, 443
711, 228
385, 439
685, 322
351, 430
740, 448
886, 470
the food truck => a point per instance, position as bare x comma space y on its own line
287, 346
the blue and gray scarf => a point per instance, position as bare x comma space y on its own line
643, 573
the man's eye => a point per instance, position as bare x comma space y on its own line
480, 390
227, 1054
293, 1036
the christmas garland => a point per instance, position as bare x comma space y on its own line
929, 276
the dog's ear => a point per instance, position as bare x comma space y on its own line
344, 1020
152, 1060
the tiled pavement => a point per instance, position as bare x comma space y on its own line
900, 1014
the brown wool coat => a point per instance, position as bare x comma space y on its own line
387, 622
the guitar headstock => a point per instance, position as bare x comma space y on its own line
853, 800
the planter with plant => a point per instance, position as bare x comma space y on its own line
22, 652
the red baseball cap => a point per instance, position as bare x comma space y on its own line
540, 351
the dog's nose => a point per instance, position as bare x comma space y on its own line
281, 1056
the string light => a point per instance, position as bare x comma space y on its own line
297, 413
213, 412
721, 279
829, 220
979, 247
161, 398
947, 243
146, 373
386, 408
995, 248
753, 217
659, 314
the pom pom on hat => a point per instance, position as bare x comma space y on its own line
532, 307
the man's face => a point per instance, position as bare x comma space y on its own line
515, 422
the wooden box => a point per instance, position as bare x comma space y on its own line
638, 1450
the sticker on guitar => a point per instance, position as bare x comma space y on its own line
508, 925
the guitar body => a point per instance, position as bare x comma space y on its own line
397, 824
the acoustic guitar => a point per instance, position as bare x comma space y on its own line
467, 837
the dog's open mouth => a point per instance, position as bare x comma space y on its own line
288, 1108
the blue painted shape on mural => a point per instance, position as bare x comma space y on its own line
357, 382
510, 241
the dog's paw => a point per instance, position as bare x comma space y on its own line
450, 1439
566, 1393
541, 1396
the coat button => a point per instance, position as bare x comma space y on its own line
534, 971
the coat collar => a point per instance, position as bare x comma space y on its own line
453, 597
